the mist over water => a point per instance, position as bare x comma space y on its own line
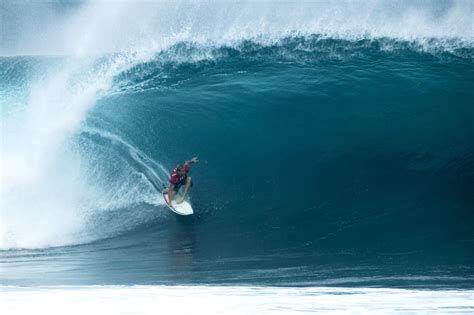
99, 100
84, 28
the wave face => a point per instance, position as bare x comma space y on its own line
335, 145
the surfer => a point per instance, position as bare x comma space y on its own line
179, 177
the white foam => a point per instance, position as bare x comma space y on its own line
231, 300
46, 193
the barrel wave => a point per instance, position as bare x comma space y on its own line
330, 154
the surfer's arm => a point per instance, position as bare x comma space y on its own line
193, 160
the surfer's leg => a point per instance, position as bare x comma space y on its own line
186, 187
173, 191
171, 194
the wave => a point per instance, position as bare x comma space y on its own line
92, 149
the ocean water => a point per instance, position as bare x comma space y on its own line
335, 142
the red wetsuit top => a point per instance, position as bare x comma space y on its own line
176, 178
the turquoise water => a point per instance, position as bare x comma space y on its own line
324, 161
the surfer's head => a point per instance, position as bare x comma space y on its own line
179, 169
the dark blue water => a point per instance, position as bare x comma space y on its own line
322, 162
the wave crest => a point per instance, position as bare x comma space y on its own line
165, 24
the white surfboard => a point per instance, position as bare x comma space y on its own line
183, 208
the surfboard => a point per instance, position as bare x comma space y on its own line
183, 208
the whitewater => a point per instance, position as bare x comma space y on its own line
336, 156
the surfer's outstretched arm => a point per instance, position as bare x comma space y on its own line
193, 160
